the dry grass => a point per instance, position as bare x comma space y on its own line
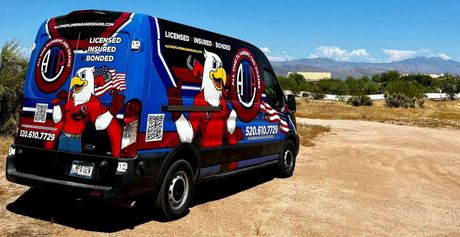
5, 143
435, 114
309, 132
258, 226
14, 224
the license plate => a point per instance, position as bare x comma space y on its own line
81, 169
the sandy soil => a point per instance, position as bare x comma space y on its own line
362, 178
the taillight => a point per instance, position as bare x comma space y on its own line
129, 138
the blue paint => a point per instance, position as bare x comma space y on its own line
206, 171
255, 161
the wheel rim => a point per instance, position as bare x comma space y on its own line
178, 190
288, 159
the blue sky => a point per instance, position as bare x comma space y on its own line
352, 30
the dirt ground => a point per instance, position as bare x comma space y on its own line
361, 178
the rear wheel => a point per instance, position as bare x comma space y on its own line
287, 160
176, 190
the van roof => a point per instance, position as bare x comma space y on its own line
88, 15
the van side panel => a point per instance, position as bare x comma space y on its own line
215, 99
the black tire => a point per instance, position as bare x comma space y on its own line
286, 163
176, 190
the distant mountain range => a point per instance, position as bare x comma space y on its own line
434, 65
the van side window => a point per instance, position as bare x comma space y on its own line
275, 96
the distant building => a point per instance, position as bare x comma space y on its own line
314, 76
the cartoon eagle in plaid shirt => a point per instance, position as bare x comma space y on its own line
82, 105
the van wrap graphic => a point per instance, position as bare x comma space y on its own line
79, 27
211, 126
75, 96
54, 64
217, 84
245, 87
72, 111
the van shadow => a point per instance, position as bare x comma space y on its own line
107, 217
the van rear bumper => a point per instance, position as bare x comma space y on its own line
46, 169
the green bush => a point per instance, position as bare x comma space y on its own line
360, 100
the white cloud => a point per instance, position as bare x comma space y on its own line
444, 56
280, 56
395, 55
398, 55
266, 50
336, 53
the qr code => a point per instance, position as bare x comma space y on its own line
40, 113
154, 127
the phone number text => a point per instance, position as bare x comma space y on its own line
37, 135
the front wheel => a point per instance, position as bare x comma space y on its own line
176, 190
287, 160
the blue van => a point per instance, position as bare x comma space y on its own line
119, 105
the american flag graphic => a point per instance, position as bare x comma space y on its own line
274, 117
112, 79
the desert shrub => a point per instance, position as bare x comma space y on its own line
317, 96
421, 103
402, 93
9, 125
399, 100
360, 100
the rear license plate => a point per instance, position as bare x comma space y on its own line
81, 169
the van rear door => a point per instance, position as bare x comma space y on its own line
75, 90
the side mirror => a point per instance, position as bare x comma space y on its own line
291, 103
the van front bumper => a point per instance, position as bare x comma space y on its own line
41, 168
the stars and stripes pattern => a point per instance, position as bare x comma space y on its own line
112, 79
274, 117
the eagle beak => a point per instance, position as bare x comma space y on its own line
77, 84
219, 78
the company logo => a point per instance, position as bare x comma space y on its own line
54, 64
245, 88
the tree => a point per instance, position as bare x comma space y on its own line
13, 68
410, 89
298, 78
386, 77
332, 86
286, 83
448, 84
425, 80
362, 86
13, 65
294, 82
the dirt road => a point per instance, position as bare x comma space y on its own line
362, 178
